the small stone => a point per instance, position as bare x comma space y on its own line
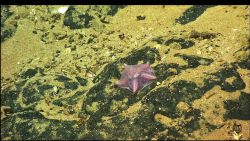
199, 52
210, 48
5, 111
68, 50
55, 89
203, 62
230, 80
138, 18
122, 36
183, 106
63, 9
158, 83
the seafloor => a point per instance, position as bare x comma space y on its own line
58, 71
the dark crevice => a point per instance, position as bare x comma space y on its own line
238, 109
183, 43
195, 61
115, 8
191, 14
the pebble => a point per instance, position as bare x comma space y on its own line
140, 17
210, 48
55, 89
198, 52
68, 50
63, 9
158, 83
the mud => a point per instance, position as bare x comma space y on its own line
58, 72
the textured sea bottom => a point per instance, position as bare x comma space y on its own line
58, 79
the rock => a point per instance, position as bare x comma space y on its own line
140, 17
183, 107
5, 111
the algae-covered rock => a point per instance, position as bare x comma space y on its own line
68, 90
89, 16
8, 23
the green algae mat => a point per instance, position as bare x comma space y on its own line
59, 66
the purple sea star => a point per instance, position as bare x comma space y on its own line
135, 77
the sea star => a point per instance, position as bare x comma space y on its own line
135, 77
